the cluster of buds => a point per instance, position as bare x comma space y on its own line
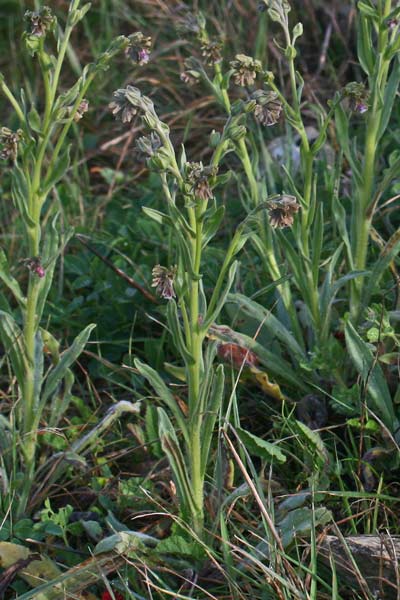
245, 69
277, 9
393, 23
138, 48
192, 23
268, 108
281, 211
199, 179
211, 50
35, 266
358, 97
80, 111
9, 143
128, 101
163, 281
158, 156
40, 21
120, 107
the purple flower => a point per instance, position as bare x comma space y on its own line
139, 48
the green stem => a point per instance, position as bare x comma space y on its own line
195, 416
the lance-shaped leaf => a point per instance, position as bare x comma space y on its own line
371, 375
214, 403
20, 195
58, 171
210, 318
9, 280
14, 346
175, 327
67, 358
268, 320
163, 393
170, 445
61, 399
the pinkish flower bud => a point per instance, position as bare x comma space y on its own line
40, 272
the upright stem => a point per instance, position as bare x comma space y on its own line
362, 217
196, 342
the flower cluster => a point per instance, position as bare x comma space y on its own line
9, 142
281, 211
35, 266
40, 21
268, 108
80, 111
211, 50
199, 178
163, 281
245, 69
191, 75
358, 97
139, 48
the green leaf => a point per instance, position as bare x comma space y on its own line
170, 445
213, 220
178, 545
268, 320
210, 318
61, 400
389, 98
20, 195
151, 424
259, 447
163, 393
176, 331
58, 171
364, 45
371, 375
67, 358
213, 406
14, 346
300, 521
9, 280
388, 254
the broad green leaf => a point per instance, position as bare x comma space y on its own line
300, 521
67, 358
164, 394
259, 447
371, 375
178, 545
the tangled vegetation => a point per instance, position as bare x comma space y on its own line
200, 299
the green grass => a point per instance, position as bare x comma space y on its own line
265, 517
